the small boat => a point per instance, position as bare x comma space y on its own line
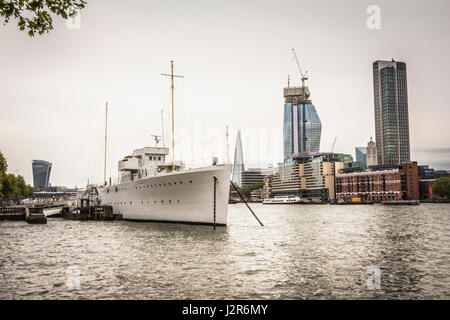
283, 200
401, 202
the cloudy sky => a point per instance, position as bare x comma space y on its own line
235, 56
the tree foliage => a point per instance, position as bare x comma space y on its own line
246, 191
12, 186
35, 16
441, 187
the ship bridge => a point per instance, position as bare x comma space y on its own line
146, 162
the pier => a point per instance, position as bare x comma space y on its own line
93, 213
32, 215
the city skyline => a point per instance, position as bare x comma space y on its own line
117, 56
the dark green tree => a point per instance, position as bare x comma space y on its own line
3, 168
35, 16
10, 185
246, 191
3, 164
441, 187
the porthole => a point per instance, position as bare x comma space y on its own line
170, 201
190, 181
162, 201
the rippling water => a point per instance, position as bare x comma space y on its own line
303, 252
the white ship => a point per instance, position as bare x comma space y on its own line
283, 200
150, 189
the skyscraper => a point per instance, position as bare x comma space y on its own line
371, 153
360, 154
41, 173
238, 166
391, 112
301, 124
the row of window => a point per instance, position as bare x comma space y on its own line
148, 186
159, 184
142, 202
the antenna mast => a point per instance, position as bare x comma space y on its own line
106, 140
162, 128
171, 75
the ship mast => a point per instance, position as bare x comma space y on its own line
171, 75
106, 139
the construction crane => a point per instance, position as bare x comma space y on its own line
332, 146
304, 78
303, 74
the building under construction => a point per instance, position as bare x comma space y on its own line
301, 123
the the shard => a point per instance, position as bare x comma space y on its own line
238, 166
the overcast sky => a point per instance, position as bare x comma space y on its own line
236, 57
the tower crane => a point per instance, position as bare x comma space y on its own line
304, 77
303, 74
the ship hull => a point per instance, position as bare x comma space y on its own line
181, 197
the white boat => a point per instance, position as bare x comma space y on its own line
283, 200
150, 189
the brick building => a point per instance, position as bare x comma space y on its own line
379, 183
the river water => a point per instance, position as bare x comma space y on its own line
303, 252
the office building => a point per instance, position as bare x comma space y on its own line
254, 175
301, 124
360, 155
426, 173
307, 175
41, 174
391, 112
379, 183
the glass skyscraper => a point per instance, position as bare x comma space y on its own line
301, 123
360, 153
41, 173
391, 112
238, 166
